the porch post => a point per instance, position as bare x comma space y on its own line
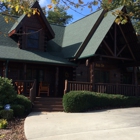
5, 68
56, 80
135, 80
25, 71
115, 39
92, 76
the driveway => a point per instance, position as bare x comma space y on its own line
115, 124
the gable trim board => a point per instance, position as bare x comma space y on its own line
99, 35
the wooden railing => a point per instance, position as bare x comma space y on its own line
74, 85
32, 94
23, 86
26, 87
124, 89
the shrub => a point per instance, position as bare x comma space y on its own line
6, 114
79, 101
7, 92
3, 123
18, 110
1, 107
24, 101
76, 101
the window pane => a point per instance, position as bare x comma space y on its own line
32, 43
34, 34
33, 39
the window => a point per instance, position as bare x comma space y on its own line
101, 76
33, 39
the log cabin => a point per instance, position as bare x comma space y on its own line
93, 53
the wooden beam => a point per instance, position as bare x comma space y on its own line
108, 47
127, 43
56, 80
121, 50
111, 35
120, 58
25, 70
115, 41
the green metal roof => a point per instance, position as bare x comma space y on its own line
99, 35
4, 28
17, 21
12, 53
76, 33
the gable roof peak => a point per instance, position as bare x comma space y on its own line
86, 16
17, 24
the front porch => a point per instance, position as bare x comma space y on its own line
124, 89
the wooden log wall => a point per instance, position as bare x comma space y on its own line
34, 23
82, 73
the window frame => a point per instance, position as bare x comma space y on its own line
27, 37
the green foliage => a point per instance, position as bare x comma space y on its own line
6, 114
24, 101
79, 101
3, 123
18, 110
58, 16
7, 92
1, 107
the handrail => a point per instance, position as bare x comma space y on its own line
66, 86
32, 93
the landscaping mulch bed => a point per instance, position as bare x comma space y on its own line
14, 131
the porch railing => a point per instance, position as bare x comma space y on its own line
32, 94
74, 85
124, 89
26, 87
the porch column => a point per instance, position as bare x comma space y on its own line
115, 39
92, 76
5, 68
135, 80
56, 80
25, 71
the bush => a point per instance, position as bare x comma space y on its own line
24, 101
79, 101
7, 92
18, 110
3, 123
1, 107
6, 114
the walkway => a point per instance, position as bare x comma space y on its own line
115, 124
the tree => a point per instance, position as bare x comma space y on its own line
58, 16
23, 6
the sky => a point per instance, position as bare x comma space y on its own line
76, 15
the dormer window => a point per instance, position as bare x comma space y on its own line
33, 39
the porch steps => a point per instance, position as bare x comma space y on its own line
47, 104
